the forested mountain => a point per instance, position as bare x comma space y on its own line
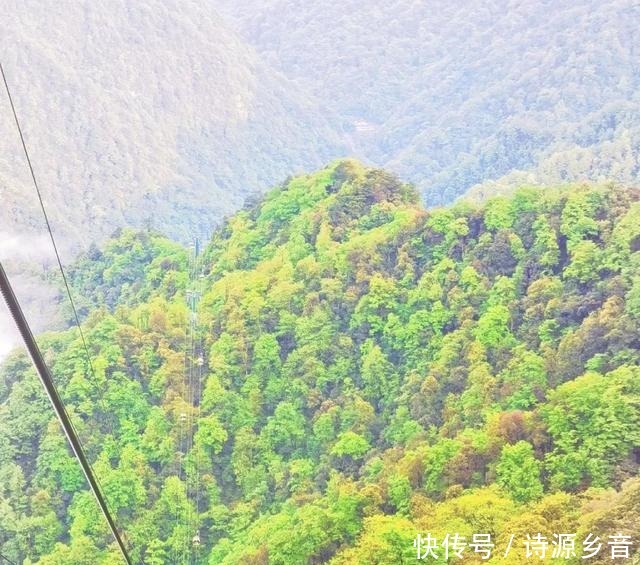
370, 370
453, 94
142, 114
170, 113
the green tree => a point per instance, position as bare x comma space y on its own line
351, 445
518, 472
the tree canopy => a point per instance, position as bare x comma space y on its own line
371, 370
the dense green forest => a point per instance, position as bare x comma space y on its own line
371, 370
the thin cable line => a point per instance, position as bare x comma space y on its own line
6, 290
53, 241
98, 388
199, 353
179, 548
7, 559
186, 514
190, 436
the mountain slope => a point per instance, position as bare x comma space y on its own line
372, 370
159, 114
450, 95
142, 114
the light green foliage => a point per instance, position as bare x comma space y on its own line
518, 472
285, 430
577, 218
546, 243
211, 434
400, 493
350, 445
385, 539
585, 262
493, 327
371, 370
525, 379
633, 298
378, 375
593, 421
499, 213
436, 461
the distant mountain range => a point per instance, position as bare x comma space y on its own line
170, 113
455, 94
151, 113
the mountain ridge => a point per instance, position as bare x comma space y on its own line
372, 370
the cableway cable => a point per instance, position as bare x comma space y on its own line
193, 363
91, 371
7, 559
54, 397
53, 240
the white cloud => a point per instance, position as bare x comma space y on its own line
25, 247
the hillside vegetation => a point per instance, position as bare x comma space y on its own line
144, 114
151, 114
372, 370
452, 94
167, 114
